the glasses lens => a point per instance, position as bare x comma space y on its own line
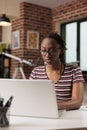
50, 51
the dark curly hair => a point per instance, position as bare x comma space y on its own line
58, 39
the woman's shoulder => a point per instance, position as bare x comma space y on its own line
72, 66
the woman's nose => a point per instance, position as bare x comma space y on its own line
48, 54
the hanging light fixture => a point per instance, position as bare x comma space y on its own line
4, 20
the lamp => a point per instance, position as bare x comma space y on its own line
20, 62
4, 21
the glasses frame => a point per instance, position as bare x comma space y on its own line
50, 51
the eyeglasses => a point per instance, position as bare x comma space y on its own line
50, 51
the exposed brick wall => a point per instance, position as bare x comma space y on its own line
70, 11
35, 18
0, 33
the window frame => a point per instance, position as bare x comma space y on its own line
63, 34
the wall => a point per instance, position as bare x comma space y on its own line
10, 7
0, 33
32, 17
70, 11
6, 34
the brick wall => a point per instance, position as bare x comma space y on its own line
35, 18
70, 11
0, 33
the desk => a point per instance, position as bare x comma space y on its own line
76, 119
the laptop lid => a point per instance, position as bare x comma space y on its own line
35, 98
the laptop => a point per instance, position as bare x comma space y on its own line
31, 98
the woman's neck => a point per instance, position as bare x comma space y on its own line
56, 66
54, 72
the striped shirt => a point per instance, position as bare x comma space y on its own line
71, 74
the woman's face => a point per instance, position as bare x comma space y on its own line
50, 51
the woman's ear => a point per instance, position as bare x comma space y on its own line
62, 51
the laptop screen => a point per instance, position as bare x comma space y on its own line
32, 98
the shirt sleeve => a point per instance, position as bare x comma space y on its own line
32, 75
77, 74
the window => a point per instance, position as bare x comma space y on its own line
83, 45
74, 34
71, 40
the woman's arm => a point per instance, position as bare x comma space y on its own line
77, 98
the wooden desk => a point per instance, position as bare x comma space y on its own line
76, 119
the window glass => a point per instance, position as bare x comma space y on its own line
71, 42
83, 45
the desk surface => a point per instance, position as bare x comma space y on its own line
76, 119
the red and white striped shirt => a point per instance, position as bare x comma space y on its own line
71, 74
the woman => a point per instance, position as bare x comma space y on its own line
68, 79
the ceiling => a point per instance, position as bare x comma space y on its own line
46, 3
11, 7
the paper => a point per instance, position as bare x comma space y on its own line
84, 108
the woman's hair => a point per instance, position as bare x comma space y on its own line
58, 39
